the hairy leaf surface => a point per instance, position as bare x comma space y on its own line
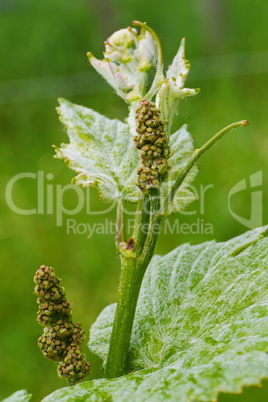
200, 326
19, 396
101, 151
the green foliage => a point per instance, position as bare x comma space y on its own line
186, 339
200, 326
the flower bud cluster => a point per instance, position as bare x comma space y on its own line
62, 339
152, 141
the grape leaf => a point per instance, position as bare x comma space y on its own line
201, 326
103, 153
19, 396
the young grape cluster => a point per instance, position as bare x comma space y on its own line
62, 339
152, 141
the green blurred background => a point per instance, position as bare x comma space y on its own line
43, 56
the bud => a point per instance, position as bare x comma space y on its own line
121, 47
128, 60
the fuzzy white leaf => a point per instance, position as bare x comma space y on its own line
19, 396
110, 73
172, 89
179, 67
101, 151
168, 98
147, 49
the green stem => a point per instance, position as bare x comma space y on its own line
122, 327
142, 218
153, 232
133, 268
120, 224
195, 156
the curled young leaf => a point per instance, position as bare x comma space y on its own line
128, 60
173, 89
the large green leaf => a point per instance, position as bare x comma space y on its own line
201, 326
103, 153
19, 396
